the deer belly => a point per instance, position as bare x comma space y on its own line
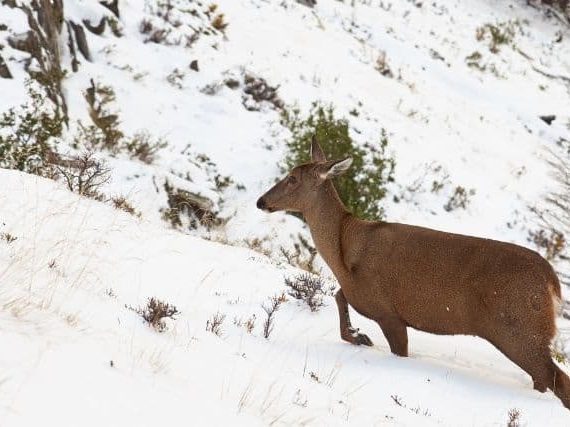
440, 313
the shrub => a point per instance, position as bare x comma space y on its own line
219, 22
28, 135
214, 324
554, 219
99, 97
154, 313
307, 288
143, 147
363, 186
459, 199
303, 256
121, 203
248, 324
382, 65
270, 311
8, 238
84, 175
514, 418
551, 242
497, 35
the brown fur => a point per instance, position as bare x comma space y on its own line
405, 276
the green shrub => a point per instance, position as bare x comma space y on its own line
363, 186
28, 135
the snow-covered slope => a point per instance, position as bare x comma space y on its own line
74, 353
452, 117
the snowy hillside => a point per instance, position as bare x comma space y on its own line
75, 353
461, 110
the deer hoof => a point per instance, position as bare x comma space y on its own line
362, 339
356, 338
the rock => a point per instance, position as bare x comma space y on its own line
4, 70
308, 3
194, 65
548, 119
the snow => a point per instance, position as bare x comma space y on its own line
77, 264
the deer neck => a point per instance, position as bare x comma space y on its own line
326, 219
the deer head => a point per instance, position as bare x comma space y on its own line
298, 190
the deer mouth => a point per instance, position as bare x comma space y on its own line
261, 204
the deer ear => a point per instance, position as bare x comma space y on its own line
334, 168
317, 153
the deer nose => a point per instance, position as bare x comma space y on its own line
261, 203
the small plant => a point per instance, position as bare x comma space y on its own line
143, 147
154, 313
84, 175
382, 65
270, 310
514, 418
175, 78
248, 324
99, 97
474, 61
115, 26
219, 22
303, 256
256, 92
363, 186
8, 238
307, 288
497, 35
214, 324
557, 352
121, 203
551, 242
459, 199
397, 400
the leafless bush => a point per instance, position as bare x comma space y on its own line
8, 238
175, 78
144, 147
459, 199
154, 313
248, 324
303, 255
214, 324
382, 65
270, 309
551, 242
554, 220
121, 203
514, 418
307, 288
84, 175
257, 91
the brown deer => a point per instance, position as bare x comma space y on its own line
405, 276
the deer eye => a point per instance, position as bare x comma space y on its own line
291, 180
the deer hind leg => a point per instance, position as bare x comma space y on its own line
546, 374
347, 332
536, 361
394, 329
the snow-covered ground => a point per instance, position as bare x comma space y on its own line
74, 354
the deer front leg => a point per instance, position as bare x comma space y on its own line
347, 332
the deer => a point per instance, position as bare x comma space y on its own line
404, 276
